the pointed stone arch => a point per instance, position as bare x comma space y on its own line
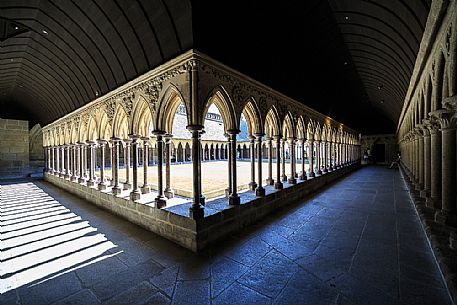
120, 123
251, 112
142, 121
272, 123
167, 108
288, 127
301, 128
220, 98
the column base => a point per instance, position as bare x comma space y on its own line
260, 192
312, 174
325, 170
292, 181
284, 178
202, 200
81, 180
196, 212
91, 183
331, 168
252, 186
169, 193
67, 176
270, 181
161, 202
303, 177
145, 189
102, 186
61, 175
234, 199
127, 186
424, 194
116, 190
135, 195
446, 218
319, 172
433, 202
74, 179
278, 186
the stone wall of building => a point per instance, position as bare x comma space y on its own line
14, 148
386, 141
36, 151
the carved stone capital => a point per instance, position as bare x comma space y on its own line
445, 117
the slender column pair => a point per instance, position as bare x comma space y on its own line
196, 211
318, 158
91, 157
270, 180
252, 184
303, 175
283, 149
278, 184
169, 193
292, 179
311, 157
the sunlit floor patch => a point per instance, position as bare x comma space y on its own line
41, 239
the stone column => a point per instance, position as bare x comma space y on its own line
228, 190
91, 181
135, 194
292, 179
84, 152
127, 184
425, 192
81, 179
66, 150
53, 162
303, 171
311, 157
62, 161
196, 210
116, 189
169, 193
259, 191
325, 156
102, 182
434, 201
447, 215
161, 200
270, 180
57, 161
318, 158
283, 147
252, 184
420, 158
112, 163
234, 198
145, 188
278, 184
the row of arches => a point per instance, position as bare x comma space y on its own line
130, 123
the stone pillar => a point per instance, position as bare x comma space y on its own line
91, 181
84, 152
196, 210
81, 178
447, 215
270, 180
66, 150
161, 200
169, 193
145, 188
420, 159
53, 162
318, 158
434, 201
292, 179
234, 198
283, 147
62, 161
102, 182
303, 171
259, 191
311, 157
116, 189
252, 184
228, 190
57, 161
324, 156
135, 194
278, 184
127, 184
425, 192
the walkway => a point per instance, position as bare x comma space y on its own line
358, 242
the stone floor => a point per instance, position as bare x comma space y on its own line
357, 242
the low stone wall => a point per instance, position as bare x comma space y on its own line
174, 224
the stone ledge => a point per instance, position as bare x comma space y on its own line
438, 236
220, 219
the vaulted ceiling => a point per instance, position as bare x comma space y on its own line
350, 59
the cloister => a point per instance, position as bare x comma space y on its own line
141, 114
224, 152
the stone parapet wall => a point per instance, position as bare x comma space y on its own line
220, 219
14, 148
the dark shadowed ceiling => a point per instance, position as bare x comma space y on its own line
349, 59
